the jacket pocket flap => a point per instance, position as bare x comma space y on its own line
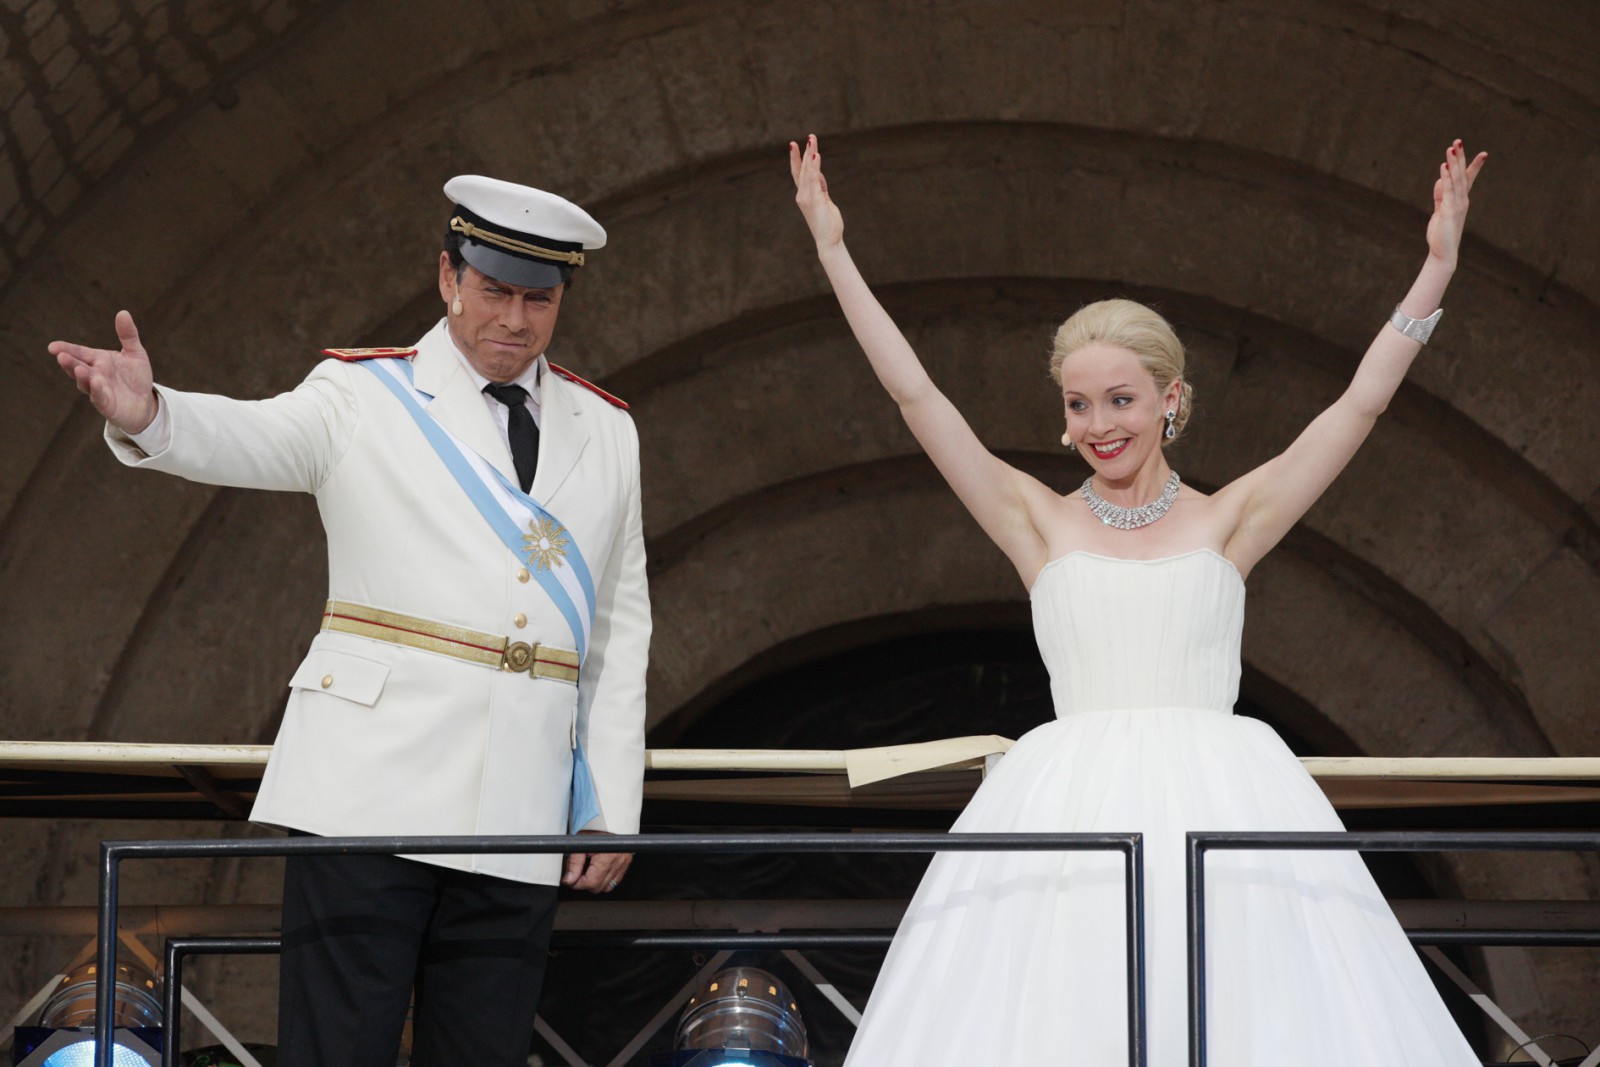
342, 675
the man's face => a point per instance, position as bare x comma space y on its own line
502, 328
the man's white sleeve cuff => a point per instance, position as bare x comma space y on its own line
157, 437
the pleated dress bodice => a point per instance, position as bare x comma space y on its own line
1121, 634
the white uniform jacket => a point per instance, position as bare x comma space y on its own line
379, 738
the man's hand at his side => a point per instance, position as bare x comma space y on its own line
598, 872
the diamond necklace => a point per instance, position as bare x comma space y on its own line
1129, 518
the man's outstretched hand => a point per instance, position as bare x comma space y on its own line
118, 382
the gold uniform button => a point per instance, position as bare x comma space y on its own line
522, 574
521, 620
327, 680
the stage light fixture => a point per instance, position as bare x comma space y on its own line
77, 1050
740, 1017
64, 1036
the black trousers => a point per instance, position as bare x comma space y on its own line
361, 932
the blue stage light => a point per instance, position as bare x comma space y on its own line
740, 1017
39, 1046
727, 1058
82, 1055
65, 1034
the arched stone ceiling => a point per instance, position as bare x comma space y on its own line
1257, 169
81, 82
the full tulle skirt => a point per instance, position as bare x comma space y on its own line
1019, 959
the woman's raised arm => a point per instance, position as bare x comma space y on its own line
1274, 496
996, 493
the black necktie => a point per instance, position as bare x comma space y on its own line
523, 431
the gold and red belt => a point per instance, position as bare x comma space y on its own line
489, 650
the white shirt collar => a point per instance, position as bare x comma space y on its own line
529, 379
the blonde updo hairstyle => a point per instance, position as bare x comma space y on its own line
1133, 326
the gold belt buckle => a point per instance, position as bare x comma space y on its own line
519, 657
540, 661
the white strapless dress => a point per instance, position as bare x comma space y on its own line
1017, 959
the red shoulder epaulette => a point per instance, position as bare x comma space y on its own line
593, 388
356, 355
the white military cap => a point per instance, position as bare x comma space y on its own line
518, 234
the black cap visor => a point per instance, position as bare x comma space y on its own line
512, 269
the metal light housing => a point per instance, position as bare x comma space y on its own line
65, 1034
740, 1017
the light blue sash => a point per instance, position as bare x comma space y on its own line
523, 525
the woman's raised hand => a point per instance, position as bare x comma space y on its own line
811, 193
1456, 176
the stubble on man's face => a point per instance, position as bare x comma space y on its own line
502, 327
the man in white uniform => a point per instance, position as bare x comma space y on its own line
480, 663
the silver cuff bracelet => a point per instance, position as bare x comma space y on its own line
1419, 330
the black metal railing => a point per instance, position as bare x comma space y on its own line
172, 993
114, 853
179, 948
1200, 843
1203, 842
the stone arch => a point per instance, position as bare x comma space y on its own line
293, 209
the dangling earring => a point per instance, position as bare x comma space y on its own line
1066, 440
455, 305
1172, 429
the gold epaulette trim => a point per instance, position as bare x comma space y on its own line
356, 355
593, 388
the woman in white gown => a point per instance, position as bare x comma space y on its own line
1137, 584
